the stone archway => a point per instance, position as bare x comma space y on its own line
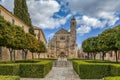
62, 55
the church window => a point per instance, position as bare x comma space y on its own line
73, 24
39, 36
13, 21
62, 38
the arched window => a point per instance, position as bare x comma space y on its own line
62, 38
73, 23
13, 21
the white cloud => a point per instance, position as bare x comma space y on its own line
110, 17
83, 30
96, 13
42, 15
41, 12
92, 22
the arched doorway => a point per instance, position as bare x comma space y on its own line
62, 55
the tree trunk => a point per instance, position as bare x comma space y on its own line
11, 51
116, 56
88, 55
14, 55
32, 56
91, 56
103, 55
94, 54
38, 55
25, 53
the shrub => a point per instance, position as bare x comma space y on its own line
9, 78
32, 69
38, 70
115, 70
91, 70
112, 78
9, 69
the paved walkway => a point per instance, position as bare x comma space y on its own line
63, 72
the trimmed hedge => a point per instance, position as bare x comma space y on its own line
38, 70
112, 78
115, 70
9, 69
9, 78
27, 70
90, 70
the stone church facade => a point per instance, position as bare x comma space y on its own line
63, 42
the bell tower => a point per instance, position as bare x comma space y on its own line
73, 30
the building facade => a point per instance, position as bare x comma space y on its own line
8, 16
63, 42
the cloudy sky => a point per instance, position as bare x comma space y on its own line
93, 16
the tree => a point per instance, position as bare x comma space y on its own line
118, 39
90, 45
34, 45
19, 38
94, 46
86, 47
41, 48
21, 11
7, 32
107, 41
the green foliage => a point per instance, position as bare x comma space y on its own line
89, 69
41, 47
107, 40
21, 11
118, 39
28, 69
9, 78
37, 70
90, 45
9, 69
32, 42
93, 71
112, 78
14, 38
115, 70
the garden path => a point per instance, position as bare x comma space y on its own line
62, 70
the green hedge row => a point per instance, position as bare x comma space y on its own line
91, 70
19, 61
27, 70
9, 78
38, 70
112, 78
9, 69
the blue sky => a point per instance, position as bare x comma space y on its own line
93, 16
